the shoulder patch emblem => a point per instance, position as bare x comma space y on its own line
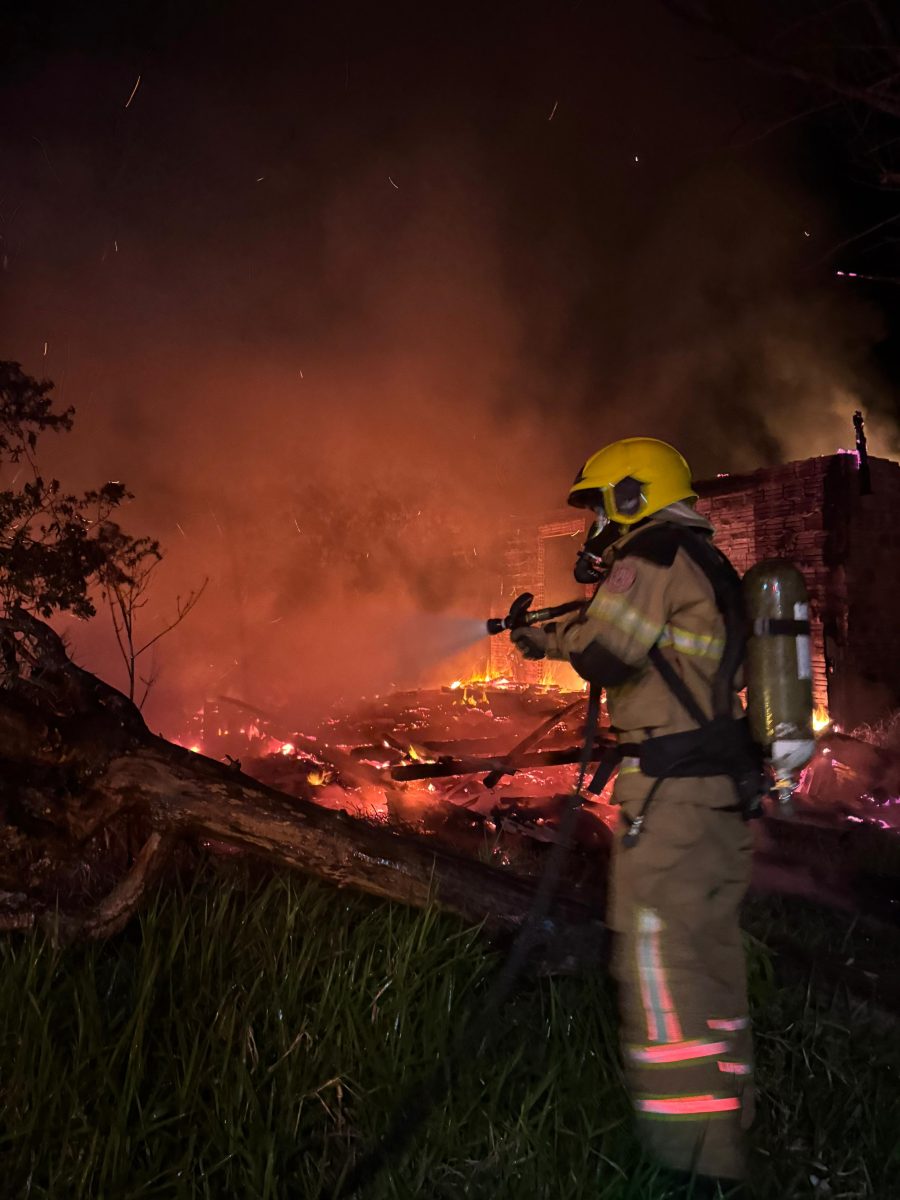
621, 577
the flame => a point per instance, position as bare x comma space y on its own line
419, 754
479, 681
286, 748
821, 719
561, 676
471, 695
318, 777
473, 689
555, 676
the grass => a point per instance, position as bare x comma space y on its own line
247, 1039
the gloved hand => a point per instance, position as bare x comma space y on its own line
530, 641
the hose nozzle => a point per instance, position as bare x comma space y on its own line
520, 613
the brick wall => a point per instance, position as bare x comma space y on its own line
866, 561
848, 547
779, 512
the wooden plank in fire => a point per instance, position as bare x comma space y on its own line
463, 765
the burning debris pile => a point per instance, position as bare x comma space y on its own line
851, 779
484, 766
448, 794
479, 764
494, 748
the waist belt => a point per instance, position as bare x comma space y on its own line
722, 746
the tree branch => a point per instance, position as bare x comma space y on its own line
181, 610
115, 910
883, 25
856, 237
700, 17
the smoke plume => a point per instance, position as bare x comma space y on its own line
337, 313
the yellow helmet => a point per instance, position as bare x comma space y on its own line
632, 479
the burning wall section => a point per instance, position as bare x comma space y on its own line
539, 559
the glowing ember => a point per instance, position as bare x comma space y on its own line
286, 748
555, 676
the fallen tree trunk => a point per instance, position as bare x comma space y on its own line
76, 759
182, 792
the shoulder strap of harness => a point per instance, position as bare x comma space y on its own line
660, 543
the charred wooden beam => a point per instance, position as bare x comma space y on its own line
462, 765
519, 753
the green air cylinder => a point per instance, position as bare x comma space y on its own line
779, 667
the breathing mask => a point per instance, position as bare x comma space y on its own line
589, 565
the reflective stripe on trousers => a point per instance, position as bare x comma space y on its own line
659, 1008
687, 1106
672, 1053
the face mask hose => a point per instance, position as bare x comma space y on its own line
589, 565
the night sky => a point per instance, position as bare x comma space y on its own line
311, 274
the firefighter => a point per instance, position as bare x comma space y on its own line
656, 637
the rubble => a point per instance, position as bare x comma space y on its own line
438, 767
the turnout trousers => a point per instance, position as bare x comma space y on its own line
679, 963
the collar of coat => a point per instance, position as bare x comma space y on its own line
657, 538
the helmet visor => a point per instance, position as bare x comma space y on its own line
587, 498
